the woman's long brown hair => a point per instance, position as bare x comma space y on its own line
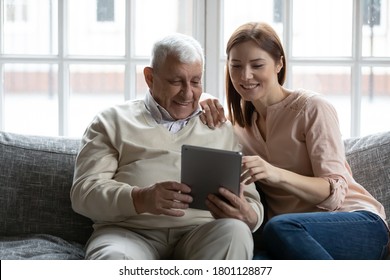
265, 37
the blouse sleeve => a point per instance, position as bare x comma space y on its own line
326, 149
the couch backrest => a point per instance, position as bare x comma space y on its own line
369, 158
36, 175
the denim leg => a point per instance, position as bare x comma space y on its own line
326, 235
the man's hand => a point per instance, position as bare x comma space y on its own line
237, 207
162, 198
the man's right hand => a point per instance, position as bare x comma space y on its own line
165, 198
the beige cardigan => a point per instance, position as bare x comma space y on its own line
124, 147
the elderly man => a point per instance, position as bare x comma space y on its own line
127, 173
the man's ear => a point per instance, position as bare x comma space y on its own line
148, 75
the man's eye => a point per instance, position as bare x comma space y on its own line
196, 82
175, 82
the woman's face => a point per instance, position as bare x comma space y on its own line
253, 71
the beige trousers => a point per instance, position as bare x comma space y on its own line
216, 240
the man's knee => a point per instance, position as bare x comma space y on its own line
236, 228
240, 244
118, 244
107, 252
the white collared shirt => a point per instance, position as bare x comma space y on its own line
161, 116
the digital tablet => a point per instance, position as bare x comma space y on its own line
204, 170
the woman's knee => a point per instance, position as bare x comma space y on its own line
279, 224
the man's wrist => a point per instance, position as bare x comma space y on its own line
137, 194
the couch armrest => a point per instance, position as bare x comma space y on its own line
369, 158
35, 180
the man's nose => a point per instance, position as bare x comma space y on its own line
186, 89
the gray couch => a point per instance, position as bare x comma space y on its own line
36, 218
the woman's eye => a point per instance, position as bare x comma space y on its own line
258, 65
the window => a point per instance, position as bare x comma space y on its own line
61, 62
105, 10
16, 14
340, 49
278, 11
64, 61
372, 12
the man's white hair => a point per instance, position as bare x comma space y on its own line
184, 47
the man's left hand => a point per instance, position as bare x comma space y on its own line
236, 207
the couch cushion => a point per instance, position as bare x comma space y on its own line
35, 180
369, 158
39, 247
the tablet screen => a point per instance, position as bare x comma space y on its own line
206, 169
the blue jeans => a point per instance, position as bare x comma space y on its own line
323, 236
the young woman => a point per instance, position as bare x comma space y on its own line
295, 154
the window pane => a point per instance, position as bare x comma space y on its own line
142, 87
30, 27
334, 83
376, 26
31, 99
375, 115
236, 13
105, 10
93, 88
169, 16
322, 28
96, 27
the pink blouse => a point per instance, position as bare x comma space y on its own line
303, 136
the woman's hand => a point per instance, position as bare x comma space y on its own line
254, 168
232, 206
213, 113
311, 189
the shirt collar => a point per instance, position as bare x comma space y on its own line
161, 115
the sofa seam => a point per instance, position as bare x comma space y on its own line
37, 150
363, 149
